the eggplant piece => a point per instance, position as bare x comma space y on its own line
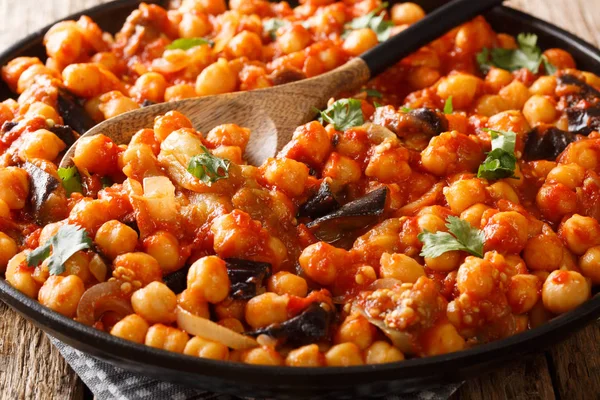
312, 325
287, 75
583, 121
351, 217
546, 144
73, 113
64, 133
246, 277
585, 90
177, 281
426, 120
7, 126
42, 186
322, 203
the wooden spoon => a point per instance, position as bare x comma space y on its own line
273, 114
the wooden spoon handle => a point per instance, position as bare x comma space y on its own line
434, 25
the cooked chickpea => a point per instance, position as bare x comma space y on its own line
344, 355
137, 267
8, 249
193, 302
305, 356
39, 109
580, 233
464, 193
294, 39
359, 41
228, 135
400, 266
543, 252
40, 144
262, 356
284, 282
406, 13
288, 175
451, 152
115, 238
506, 232
217, 78
555, 200
233, 324
544, 86
462, 87
180, 92
570, 175
97, 154
132, 327
89, 80
164, 247
245, 44
490, 104
155, 302
208, 276
14, 187
442, 339
502, 190
449, 261
150, 86
539, 110
342, 169
321, 261
266, 309
382, 352
523, 292
497, 78
20, 277
515, 95
62, 294
310, 144
204, 348
565, 290
231, 308
167, 338
194, 25
474, 214
559, 58
476, 277
589, 264
356, 329
389, 162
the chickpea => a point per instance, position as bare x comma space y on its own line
20, 277
474, 214
449, 261
245, 44
560, 58
231, 153
8, 249
110, 61
490, 105
502, 190
287, 283
539, 110
342, 169
14, 187
132, 327
232, 324
64, 42
228, 135
62, 294
288, 175
356, 329
115, 238
506, 232
462, 87
589, 264
155, 302
476, 277
208, 276
150, 86
180, 92
194, 25
12, 71
344, 355
40, 144
294, 39
4, 210
262, 356
515, 95
321, 261
462, 194
39, 109
523, 292
406, 13
580, 233
137, 267
570, 175
230, 308
164, 247
543, 252
511, 120
359, 41
382, 352
310, 144
217, 78
114, 103
167, 338
497, 78
555, 200
31, 74
97, 154
431, 220
544, 86
389, 162
166, 124
451, 152
89, 80
193, 302
305, 356
266, 309
442, 339
565, 290
423, 77
204, 348
400, 266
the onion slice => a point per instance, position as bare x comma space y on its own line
210, 330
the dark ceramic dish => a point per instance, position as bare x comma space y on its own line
330, 383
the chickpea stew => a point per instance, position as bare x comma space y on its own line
453, 201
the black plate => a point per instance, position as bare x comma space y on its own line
330, 383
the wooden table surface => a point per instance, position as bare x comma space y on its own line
31, 368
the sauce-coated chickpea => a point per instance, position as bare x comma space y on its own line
132, 327
464, 193
262, 356
62, 294
19, 276
543, 252
462, 87
580, 233
565, 290
406, 13
8, 249
589, 264
359, 41
217, 78
115, 238
382, 352
288, 175
442, 339
193, 302
139, 267
476, 277
156, 303
305, 356
400, 266
266, 309
14, 187
200, 347
523, 292
208, 276
164, 247
167, 338
287, 283
344, 355
539, 109
321, 261
356, 329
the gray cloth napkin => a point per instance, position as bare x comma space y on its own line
107, 382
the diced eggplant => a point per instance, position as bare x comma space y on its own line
546, 144
583, 120
350, 218
64, 133
310, 326
320, 204
7, 126
287, 75
246, 277
426, 120
177, 281
73, 113
42, 186
585, 90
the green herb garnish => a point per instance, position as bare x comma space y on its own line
373, 93
461, 236
343, 114
377, 105
406, 109
271, 26
374, 21
71, 180
68, 240
208, 168
188, 43
528, 55
448, 107
501, 161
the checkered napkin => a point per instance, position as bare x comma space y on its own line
111, 383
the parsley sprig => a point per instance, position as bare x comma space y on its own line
71, 180
461, 236
69, 239
501, 161
448, 106
188, 43
373, 20
528, 55
208, 168
343, 114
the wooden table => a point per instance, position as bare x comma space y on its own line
31, 368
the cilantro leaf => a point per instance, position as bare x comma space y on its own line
527, 55
71, 180
188, 43
373, 93
377, 105
68, 240
501, 161
550, 68
343, 114
406, 109
448, 107
271, 26
461, 236
208, 168
374, 21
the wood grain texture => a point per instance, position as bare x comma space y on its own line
30, 368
